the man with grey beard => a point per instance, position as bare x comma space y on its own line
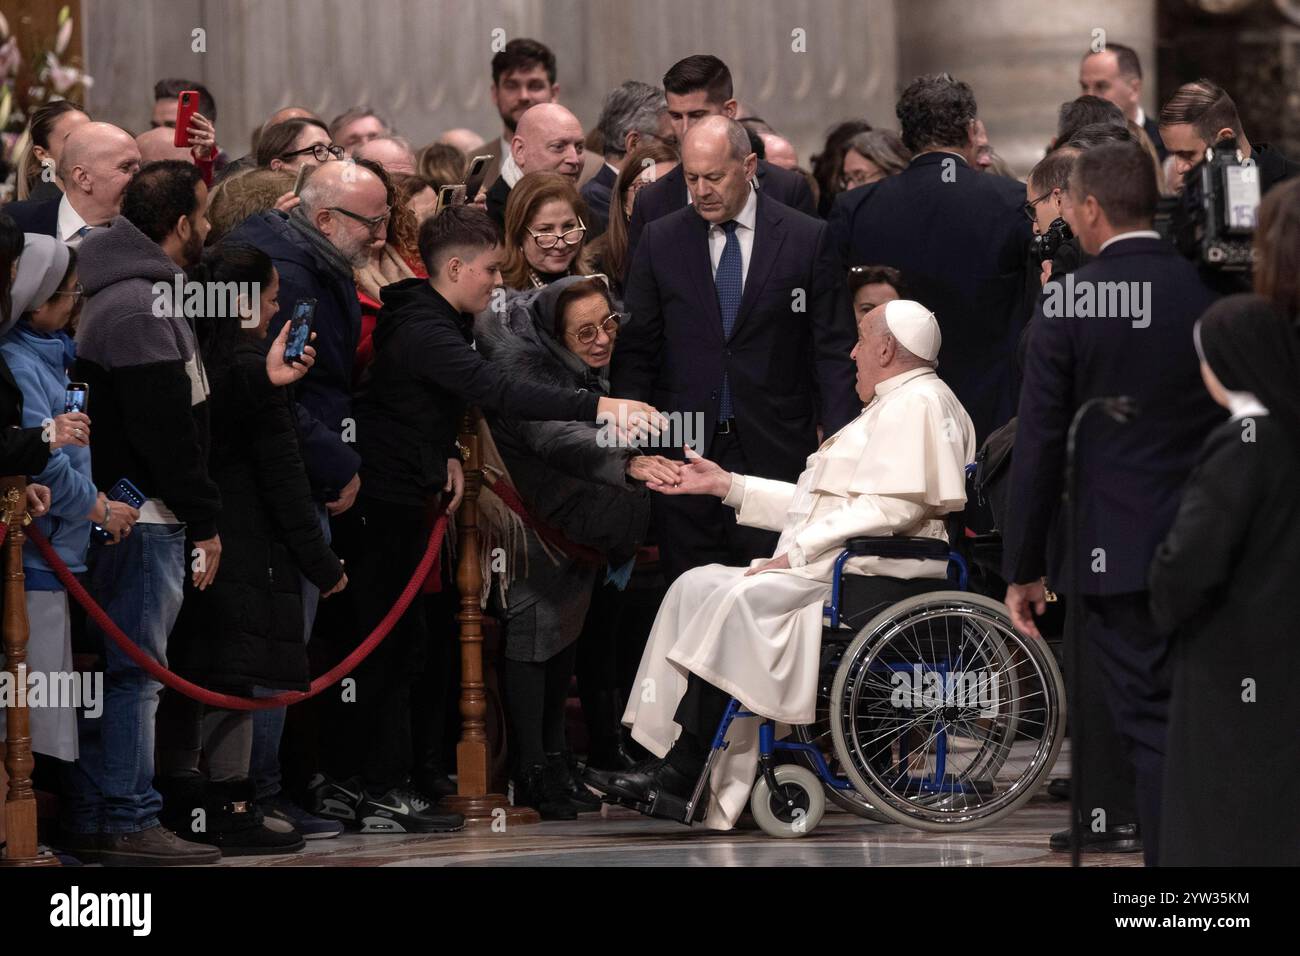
341, 221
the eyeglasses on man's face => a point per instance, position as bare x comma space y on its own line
609, 325
370, 222
321, 152
1029, 206
549, 240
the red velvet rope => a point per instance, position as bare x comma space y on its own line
228, 701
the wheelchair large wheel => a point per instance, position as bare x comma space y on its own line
796, 807
942, 715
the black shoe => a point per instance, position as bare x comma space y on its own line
1124, 838
334, 800
404, 810
545, 788
583, 799
662, 791
182, 794
235, 824
601, 779
1059, 787
434, 782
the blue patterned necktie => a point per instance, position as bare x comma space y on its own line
730, 285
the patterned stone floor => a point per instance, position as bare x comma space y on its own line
620, 837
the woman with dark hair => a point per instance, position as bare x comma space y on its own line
1223, 583
246, 629
295, 143
49, 127
1277, 249
643, 166
828, 165
588, 492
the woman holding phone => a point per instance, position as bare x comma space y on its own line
46, 295
246, 629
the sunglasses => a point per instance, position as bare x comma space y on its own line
1029, 206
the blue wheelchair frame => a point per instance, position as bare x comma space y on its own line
769, 745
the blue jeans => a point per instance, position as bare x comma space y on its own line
140, 583
268, 725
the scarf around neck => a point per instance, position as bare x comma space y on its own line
323, 248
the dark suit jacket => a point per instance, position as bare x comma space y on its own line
39, 216
1273, 166
1130, 476
788, 369
961, 240
496, 201
1152, 128
669, 194
596, 192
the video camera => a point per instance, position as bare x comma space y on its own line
1213, 221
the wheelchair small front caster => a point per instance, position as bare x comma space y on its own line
796, 807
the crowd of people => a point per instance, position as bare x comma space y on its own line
840, 339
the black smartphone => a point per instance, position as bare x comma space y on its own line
474, 180
304, 310
76, 397
126, 493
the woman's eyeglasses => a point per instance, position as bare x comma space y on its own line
587, 333
549, 240
321, 152
77, 292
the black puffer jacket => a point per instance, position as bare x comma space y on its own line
247, 627
566, 477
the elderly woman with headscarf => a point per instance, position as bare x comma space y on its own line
44, 297
1225, 583
578, 488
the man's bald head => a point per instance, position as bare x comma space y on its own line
718, 165
159, 143
465, 140
780, 151
391, 152
548, 138
97, 162
337, 197
288, 113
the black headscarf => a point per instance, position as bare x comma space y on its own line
1250, 347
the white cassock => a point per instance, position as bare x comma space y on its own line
895, 469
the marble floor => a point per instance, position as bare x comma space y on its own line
620, 837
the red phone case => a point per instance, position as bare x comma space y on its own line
187, 104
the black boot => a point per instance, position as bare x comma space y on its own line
182, 794
606, 750
564, 769
545, 790
236, 825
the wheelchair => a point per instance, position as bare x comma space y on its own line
932, 710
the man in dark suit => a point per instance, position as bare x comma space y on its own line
1115, 73
960, 239
733, 324
97, 162
1119, 325
698, 87
632, 114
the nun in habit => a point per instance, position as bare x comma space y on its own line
1226, 584
755, 633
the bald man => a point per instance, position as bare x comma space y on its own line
548, 138
392, 152
97, 162
734, 329
896, 469
157, 143
780, 151
465, 140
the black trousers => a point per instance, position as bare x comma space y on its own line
375, 728
694, 530
1134, 671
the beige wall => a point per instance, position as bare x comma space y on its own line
426, 62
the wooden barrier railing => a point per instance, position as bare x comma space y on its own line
20, 803
473, 767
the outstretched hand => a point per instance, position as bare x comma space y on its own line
698, 476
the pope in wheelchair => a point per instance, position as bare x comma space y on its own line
736, 642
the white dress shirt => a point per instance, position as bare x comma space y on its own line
718, 237
1135, 234
70, 223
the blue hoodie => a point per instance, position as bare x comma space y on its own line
37, 361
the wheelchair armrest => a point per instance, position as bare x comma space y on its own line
891, 546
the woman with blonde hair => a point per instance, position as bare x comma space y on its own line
234, 199
545, 235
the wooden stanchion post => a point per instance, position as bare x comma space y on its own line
473, 766
20, 804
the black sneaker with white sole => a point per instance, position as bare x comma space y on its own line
404, 810
333, 800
